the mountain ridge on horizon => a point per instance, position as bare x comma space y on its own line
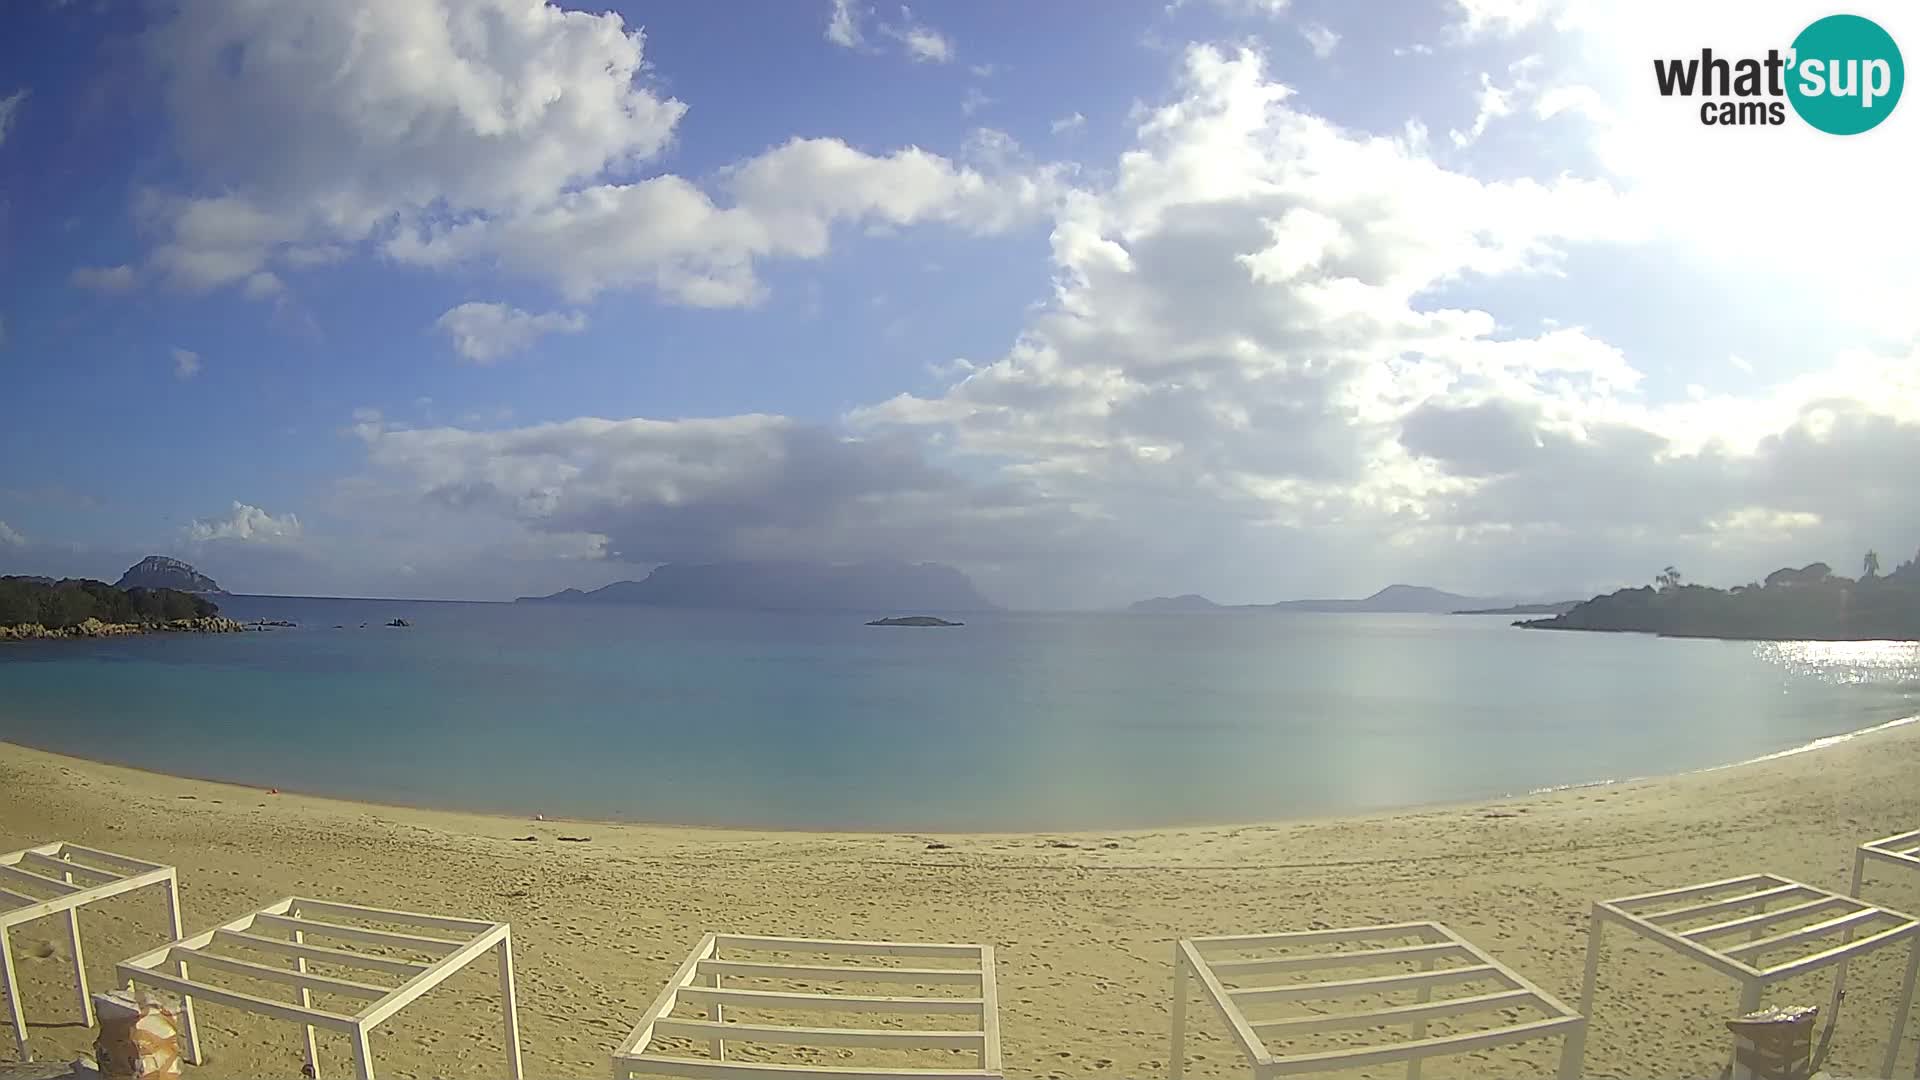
790, 585
1393, 599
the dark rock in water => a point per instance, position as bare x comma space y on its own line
399, 622
913, 620
160, 572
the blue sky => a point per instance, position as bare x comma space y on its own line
472, 298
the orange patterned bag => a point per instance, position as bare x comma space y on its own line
139, 1038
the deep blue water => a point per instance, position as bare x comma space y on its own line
1014, 721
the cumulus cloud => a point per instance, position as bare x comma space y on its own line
751, 486
247, 524
10, 537
1069, 123
186, 363
346, 117
486, 332
501, 133
667, 235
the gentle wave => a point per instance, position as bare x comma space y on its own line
1822, 743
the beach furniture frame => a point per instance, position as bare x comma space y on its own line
1900, 849
1443, 957
698, 981
76, 876
1730, 925
287, 928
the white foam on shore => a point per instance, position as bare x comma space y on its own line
1822, 743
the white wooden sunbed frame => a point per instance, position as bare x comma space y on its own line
287, 927
1660, 917
77, 876
1200, 958
698, 981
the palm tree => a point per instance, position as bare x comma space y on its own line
1668, 578
1871, 564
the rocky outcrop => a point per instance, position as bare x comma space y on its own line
161, 572
94, 628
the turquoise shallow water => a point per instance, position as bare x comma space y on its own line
1016, 721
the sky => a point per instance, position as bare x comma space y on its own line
1252, 298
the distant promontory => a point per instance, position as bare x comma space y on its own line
1808, 603
1394, 599
790, 586
32, 608
161, 572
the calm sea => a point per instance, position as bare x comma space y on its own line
1016, 721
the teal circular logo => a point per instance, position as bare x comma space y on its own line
1846, 75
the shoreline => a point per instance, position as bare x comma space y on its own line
1823, 742
1083, 921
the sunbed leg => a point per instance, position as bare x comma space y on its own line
1176, 1054
509, 1006
186, 1000
13, 996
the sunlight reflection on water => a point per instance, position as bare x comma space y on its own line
1846, 662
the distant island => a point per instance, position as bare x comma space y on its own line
32, 608
161, 572
1808, 603
913, 620
789, 586
1560, 607
1188, 603
1392, 600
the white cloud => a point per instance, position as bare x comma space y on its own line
1069, 123
186, 363
975, 100
245, 523
922, 43
105, 279
485, 332
1243, 8
348, 116
916, 40
1321, 39
843, 25
9, 110
1501, 18
667, 235
1491, 104
262, 284
10, 537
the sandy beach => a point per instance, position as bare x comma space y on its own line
1084, 923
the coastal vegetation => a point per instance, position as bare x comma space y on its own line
80, 607
1809, 602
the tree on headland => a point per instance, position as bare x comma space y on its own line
1807, 602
